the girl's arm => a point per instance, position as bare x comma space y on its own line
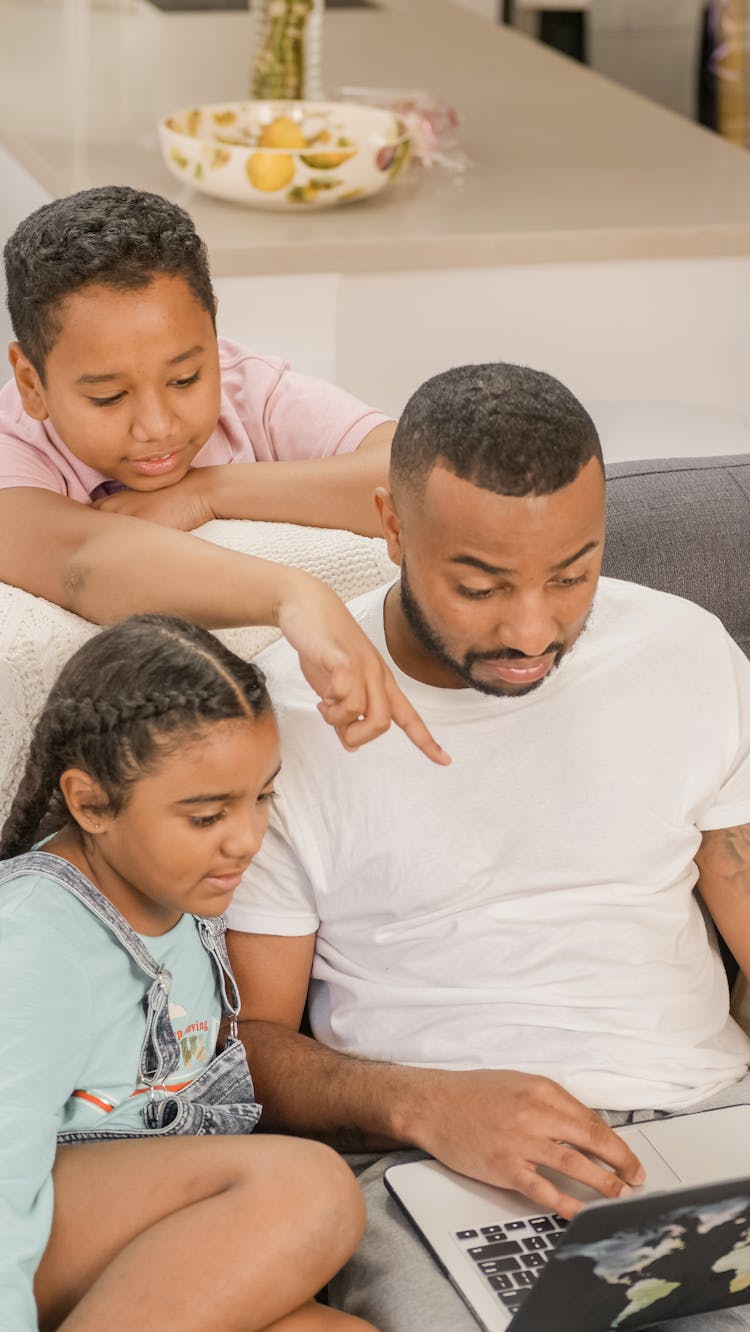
322, 492
105, 567
44, 999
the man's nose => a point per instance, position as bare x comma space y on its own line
529, 626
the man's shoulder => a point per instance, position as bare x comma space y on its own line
648, 602
644, 613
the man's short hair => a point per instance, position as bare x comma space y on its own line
116, 236
504, 428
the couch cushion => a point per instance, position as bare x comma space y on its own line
683, 525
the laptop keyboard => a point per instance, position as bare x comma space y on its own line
511, 1256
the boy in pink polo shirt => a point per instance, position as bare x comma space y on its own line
125, 406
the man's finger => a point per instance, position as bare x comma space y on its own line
545, 1194
575, 1165
590, 1133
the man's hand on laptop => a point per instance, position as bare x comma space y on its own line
502, 1126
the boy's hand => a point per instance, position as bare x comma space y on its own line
359, 696
184, 505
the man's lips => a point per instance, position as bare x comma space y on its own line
524, 670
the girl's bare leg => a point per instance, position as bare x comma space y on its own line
316, 1318
202, 1234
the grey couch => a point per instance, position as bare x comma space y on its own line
683, 525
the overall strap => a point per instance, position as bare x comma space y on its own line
160, 1053
212, 933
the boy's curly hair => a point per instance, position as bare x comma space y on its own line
113, 235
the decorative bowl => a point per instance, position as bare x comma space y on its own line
285, 155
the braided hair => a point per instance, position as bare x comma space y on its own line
119, 704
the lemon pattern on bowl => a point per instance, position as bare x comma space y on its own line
285, 154
270, 171
283, 132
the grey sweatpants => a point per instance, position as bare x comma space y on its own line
393, 1281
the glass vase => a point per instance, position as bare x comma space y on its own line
287, 42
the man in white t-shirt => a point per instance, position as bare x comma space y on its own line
499, 947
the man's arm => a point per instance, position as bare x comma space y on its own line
327, 492
724, 881
105, 567
497, 1126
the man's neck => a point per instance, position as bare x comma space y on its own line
407, 651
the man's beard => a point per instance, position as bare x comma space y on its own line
464, 669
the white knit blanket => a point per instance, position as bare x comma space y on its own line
36, 637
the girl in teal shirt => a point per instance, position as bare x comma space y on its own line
129, 1189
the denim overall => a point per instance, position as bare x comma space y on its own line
221, 1098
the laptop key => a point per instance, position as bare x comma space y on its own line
560, 1221
494, 1231
467, 1234
523, 1278
516, 1225
512, 1299
499, 1265
553, 1237
500, 1249
501, 1282
536, 1242
534, 1259
539, 1223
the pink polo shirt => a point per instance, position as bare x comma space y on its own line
268, 414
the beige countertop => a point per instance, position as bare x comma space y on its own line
564, 165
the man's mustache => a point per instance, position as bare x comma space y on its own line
513, 654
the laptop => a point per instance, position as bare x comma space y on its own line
680, 1245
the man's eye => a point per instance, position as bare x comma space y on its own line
573, 582
185, 383
265, 796
107, 402
474, 593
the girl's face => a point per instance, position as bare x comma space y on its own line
188, 830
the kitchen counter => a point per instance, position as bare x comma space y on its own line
564, 166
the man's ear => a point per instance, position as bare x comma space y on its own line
390, 523
86, 800
28, 383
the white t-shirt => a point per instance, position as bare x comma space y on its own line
532, 905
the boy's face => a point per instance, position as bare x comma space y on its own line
133, 385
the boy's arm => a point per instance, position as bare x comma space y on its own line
105, 567
323, 492
493, 1125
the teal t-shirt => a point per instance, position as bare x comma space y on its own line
73, 1021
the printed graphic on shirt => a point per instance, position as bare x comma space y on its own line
197, 1041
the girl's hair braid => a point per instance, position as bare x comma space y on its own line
119, 704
